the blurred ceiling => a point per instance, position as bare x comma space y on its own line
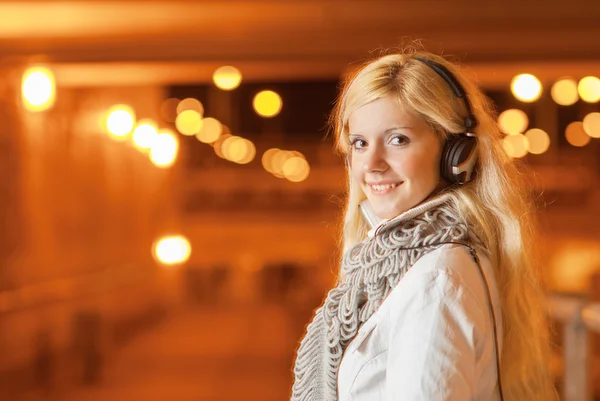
184, 40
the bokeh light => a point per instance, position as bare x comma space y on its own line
526, 87
210, 131
513, 121
591, 125
168, 109
226, 146
227, 78
172, 250
218, 145
163, 152
267, 103
238, 150
145, 134
250, 153
190, 104
589, 89
275, 161
538, 140
120, 120
38, 89
576, 135
564, 92
267, 159
188, 122
296, 169
516, 145
278, 160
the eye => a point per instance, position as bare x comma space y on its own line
399, 140
358, 144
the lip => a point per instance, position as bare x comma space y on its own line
384, 191
384, 182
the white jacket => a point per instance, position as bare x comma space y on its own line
432, 337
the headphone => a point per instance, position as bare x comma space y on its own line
460, 151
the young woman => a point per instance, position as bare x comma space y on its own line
437, 297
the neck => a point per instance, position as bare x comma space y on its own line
409, 214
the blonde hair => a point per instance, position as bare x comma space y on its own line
495, 204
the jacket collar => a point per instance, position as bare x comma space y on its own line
436, 200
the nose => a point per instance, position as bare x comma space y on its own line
374, 160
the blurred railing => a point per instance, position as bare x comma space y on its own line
579, 318
71, 289
64, 329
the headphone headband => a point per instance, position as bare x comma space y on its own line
470, 121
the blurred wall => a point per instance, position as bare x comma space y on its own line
247, 220
79, 212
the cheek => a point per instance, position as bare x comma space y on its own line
356, 170
419, 166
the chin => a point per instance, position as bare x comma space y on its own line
388, 212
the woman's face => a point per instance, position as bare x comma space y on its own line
395, 156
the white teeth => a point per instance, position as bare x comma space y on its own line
383, 187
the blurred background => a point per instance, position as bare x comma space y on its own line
170, 200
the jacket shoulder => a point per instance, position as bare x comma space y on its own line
450, 269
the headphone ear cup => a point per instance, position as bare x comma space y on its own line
458, 150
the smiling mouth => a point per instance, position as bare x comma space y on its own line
381, 189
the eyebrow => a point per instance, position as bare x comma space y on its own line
387, 131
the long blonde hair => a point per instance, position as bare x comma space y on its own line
495, 204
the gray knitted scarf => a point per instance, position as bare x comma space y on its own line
370, 270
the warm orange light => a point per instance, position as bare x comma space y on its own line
38, 89
589, 89
145, 134
172, 250
227, 145
120, 120
163, 152
210, 130
538, 140
576, 135
274, 161
513, 121
526, 87
218, 145
516, 145
190, 104
591, 125
267, 103
188, 122
296, 169
227, 78
238, 150
250, 153
564, 92
267, 159
278, 160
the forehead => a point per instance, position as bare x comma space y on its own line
382, 114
